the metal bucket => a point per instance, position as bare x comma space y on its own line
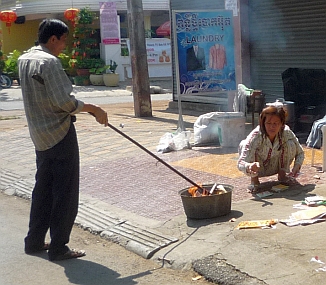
289, 107
207, 207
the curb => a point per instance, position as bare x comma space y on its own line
152, 89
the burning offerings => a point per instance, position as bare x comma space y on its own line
194, 191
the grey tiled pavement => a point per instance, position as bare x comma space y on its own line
112, 168
118, 172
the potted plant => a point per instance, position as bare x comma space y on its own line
85, 51
96, 73
65, 61
81, 73
82, 65
111, 78
82, 80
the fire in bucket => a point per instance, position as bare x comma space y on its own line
194, 191
207, 205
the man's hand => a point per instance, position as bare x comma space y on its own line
101, 116
96, 111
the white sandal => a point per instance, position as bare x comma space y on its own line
253, 188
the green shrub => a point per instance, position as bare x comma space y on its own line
11, 64
2, 63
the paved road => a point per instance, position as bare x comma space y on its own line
105, 263
11, 99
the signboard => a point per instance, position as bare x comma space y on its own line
158, 50
110, 30
232, 5
204, 43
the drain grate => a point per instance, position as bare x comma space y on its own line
140, 240
14, 184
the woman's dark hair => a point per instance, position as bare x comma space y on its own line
49, 28
272, 110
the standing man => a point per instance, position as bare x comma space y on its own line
50, 112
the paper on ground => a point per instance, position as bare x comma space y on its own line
308, 216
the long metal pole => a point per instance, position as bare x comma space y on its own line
155, 156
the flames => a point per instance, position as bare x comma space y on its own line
194, 191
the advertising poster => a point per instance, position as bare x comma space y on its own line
204, 43
110, 30
158, 50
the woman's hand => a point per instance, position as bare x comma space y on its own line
295, 170
253, 168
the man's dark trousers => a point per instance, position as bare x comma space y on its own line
55, 195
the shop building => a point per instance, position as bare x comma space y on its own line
274, 41
270, 37
23, 32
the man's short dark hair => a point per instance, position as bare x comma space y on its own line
49, 28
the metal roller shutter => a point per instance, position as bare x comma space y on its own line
196, 5
285, 34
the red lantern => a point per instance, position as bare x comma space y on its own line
71, 15
8, 17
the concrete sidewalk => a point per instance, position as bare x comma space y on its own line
130, 198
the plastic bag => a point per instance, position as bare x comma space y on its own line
223, 128
240, 100
174, 141
207, 130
